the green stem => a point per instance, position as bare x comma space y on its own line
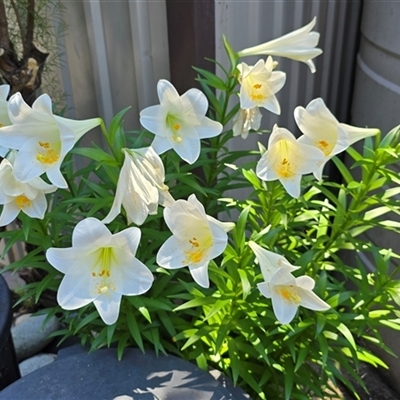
107, 136
348, 220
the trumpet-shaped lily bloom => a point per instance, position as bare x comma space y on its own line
179, 122
288, 293
299, 45
197, 238
16, 196
322, 130
4, 119
100, 267
43, 139
245, 120
140, 186
259, 84
287, 160
269, 262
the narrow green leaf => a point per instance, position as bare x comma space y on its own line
135, 331
347, 334
235, 359
219, 304
343, 170
232, 55
246, 286
87, 320
195, 303
289, 378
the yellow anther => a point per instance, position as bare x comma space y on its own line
194, 242
283, 170
257, 86
199, 249
45, 145
325, 147
47, 156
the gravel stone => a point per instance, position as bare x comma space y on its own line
30, 336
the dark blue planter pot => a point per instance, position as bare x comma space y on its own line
99, 375
9, 371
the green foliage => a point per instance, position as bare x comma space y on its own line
231, 326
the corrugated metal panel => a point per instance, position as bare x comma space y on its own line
112, 57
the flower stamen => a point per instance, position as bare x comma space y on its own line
289, 293
47, 154
199, 249
105, 258
22, 202
325, 147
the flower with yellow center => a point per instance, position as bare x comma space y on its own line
299, 45
322, 130
4, 119
140, 187
179, 122
288, 293
197, 238
287, 160
100, 267
41, 138
16, 196
259, 84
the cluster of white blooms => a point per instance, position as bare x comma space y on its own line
34, 142
101, 267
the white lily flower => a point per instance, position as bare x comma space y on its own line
299, 45
140, 186
288, 293
197, 239
321, 129
259, 84
287, 160
4, 119
269, 262
43, 139
16, 196
245, 120
179, 122
100, 267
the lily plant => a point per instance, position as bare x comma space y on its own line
150, 244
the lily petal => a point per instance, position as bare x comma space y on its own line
299, 45
200, 274
108, 306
